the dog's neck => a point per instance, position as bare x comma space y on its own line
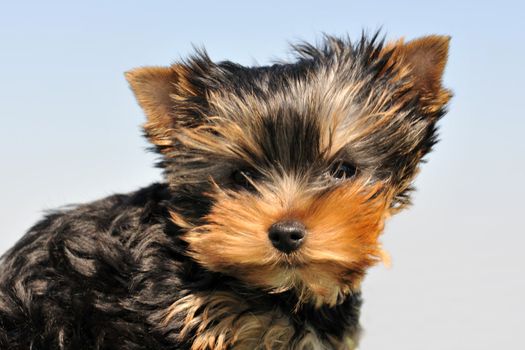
230, 316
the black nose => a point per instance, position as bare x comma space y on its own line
287, 235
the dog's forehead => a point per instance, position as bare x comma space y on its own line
295, 113
323, 93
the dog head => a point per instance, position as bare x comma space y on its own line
285, 174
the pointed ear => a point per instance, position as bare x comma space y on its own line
166, 94
425, 58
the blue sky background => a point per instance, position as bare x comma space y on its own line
70, 133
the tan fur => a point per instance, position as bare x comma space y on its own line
220, 321
342, 241
152, 87
425, 58
157, 89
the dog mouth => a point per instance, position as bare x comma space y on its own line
292, 265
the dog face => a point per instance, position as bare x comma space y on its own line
285, 174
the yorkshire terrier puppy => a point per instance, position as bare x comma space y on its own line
278, 181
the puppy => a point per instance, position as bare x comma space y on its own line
277, 183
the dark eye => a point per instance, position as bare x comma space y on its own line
242, 178
343, 171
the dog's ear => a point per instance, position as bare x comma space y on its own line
424, 59
170, 97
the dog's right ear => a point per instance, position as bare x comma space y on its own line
171, 97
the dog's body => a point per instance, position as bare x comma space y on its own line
102, 275
279, 180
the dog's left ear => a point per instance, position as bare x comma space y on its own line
170, 98
425, 59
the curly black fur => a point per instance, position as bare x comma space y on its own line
100, 275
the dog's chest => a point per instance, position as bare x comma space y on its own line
222, 321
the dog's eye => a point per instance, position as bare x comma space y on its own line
242, 177
343, 171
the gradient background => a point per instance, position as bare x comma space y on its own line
69, 133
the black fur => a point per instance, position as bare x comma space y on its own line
97, 277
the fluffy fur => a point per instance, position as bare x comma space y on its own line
332, 140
